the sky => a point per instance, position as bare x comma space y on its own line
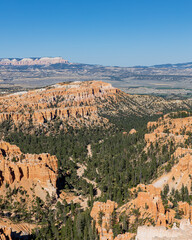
106, 32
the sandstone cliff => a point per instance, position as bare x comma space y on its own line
176, 131
101, 213
77, 101
150, 206
34, 172
169, 129
151, 210
8, 229
5, 233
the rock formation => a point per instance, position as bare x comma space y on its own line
169, 129
150, 206
177, 131
132, 131
101, 213
76, 101
179, 175
148, 199
5, 233
37, 171
10, 230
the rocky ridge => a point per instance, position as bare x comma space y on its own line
32, 61
169, 129
80, 103
73, 102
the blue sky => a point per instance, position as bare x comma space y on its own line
108, 32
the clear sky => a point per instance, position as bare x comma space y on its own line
108, 32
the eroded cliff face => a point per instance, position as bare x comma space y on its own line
36, 173
175, 131
5, 233
168, 129
76, 101
79, 103
102, 213
150, 206
151, 212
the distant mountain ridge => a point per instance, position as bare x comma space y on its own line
54, 60
176, 65
32, 61
24, 73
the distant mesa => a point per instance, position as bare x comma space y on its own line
32, 61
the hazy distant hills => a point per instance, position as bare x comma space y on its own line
178, 65
165, 80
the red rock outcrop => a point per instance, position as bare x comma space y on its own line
180, 174
149, 199
177, 130
67, 101
132, 131
27, 170
5, 233
7, 227
149, 203
169, 129
103, 227
150, 206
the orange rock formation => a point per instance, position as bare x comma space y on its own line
150, 205
7, 227
65, 101
27, 170
106, 209
168, 129
177, 130
5, 233
104, 227
132, 131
